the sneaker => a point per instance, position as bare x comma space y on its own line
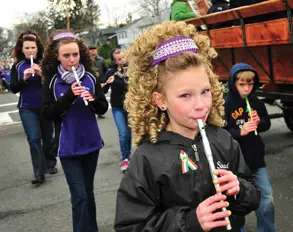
124, 165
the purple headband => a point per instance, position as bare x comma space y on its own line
172, 47
64, 35
29, 35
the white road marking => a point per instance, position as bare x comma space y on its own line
5, 119
9, 112
9, 104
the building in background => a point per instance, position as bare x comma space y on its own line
108, 35
127, 34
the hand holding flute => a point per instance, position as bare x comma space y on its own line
32, 63
225, 182
77, 89
109, 81
250, 113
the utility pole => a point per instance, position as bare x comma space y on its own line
68, 14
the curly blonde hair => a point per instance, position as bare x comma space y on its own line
145, 118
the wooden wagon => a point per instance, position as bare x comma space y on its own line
262, 36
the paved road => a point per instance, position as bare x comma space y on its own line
8, 112
47, 208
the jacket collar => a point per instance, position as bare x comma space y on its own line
174, 138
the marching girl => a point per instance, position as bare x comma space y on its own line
168, 186
116, 78
74, 104
26, 79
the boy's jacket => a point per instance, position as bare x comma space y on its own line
236, 115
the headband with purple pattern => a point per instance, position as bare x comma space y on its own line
64, 35
29, 35
172, 47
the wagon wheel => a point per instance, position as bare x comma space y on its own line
288, 116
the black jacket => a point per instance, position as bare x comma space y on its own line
101, 67
236, 115
118, 88
154, 195
53, 108
79, 133
30, 90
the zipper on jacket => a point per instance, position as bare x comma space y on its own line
195, 152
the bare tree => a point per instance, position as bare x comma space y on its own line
153, 8
37, 21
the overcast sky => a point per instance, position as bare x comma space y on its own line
11, 10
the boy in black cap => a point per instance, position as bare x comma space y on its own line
100, 66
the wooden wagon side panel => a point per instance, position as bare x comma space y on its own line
281, 60
261, 53
241, 56
257, 34
261, 8
226, 37
268, 33
283, 64
265, 45
223, 63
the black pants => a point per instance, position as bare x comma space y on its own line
50, 146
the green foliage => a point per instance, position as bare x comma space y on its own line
105, 50
108, 62
93, 13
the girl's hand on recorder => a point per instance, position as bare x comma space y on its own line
228, 182
37, 69
248, 127
110, 80
28, 73
86, 95
76, 89
208, 214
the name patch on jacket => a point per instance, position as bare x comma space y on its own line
222, 166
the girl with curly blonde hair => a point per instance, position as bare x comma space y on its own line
168, 184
